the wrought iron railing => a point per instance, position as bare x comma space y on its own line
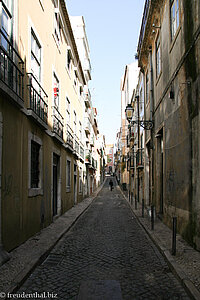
94, 163
143, 26
37, 98
87, 124
81, 150
87, 156
57, 122
69, 136
11, 66
76, 144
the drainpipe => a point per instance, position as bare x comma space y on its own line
152, 130
138, 142
4, 256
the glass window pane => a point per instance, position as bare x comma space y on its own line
177, 14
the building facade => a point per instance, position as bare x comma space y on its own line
168, 57
43, 100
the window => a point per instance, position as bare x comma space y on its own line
56, 91
6, 23
147, 87
35, 165
57, 25
68, 110
158, 57
174, 17
75, 123
35, 56
68, 175
75, 78
69, 58
80, 131
35, 168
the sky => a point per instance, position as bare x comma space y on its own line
112, 28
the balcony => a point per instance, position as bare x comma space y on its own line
94, 163
140, 158
88, 102
87, 67
81, 151
11, 70
69, 141
57, 123
87, 156
92, 140
87, 125
37, 106
76, 145
127, 141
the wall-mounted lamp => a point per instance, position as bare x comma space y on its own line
143, 123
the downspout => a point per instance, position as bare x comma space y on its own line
4, 256
152, 130
138, 142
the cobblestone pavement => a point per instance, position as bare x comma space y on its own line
106, 244
186, 262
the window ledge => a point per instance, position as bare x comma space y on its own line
33, 192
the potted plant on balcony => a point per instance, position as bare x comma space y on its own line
87, 158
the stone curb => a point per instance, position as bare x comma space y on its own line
175, 268
25, 273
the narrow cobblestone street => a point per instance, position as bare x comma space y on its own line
106, 246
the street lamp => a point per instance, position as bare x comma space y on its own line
148, 125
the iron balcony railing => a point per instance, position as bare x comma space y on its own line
76, 144
87, 156
127, 140
87, 96
70, 134
11, 66
143, 26
57, 122
87, 125
81, 150
94, 163
37, 98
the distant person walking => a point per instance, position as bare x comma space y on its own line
111, 184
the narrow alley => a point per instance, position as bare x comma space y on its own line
105, 250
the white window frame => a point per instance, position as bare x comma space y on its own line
80, 131
34, 55
6, 8
32, 192
174, 17
147, 87
75, 123
75, 79
158, 57
56, 102
68, 111
69, 61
